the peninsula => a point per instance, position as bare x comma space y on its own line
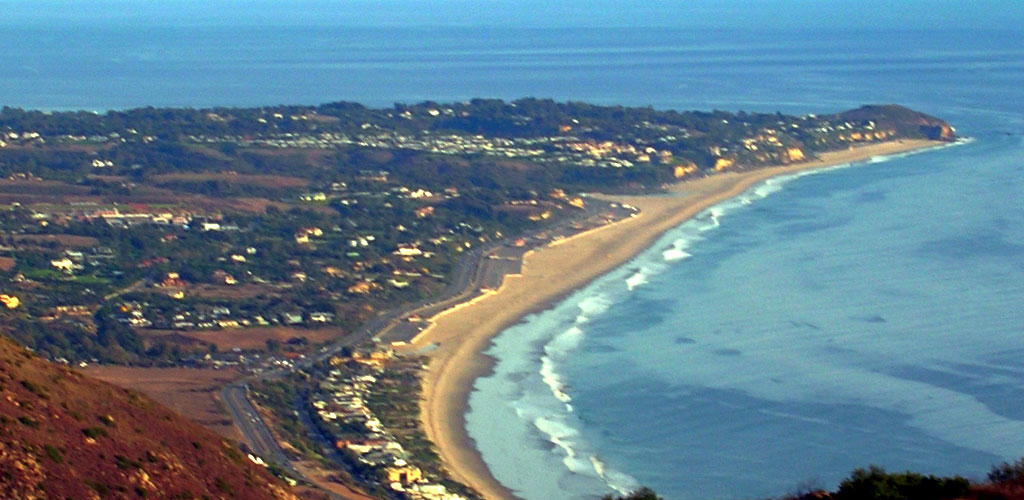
270, 243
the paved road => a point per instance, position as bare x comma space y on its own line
252, 427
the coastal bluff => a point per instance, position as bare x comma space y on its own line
904, 121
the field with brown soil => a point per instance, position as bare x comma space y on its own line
190, 392
248, 338
7, 263
36, 191
67, 240
311, 156
263, 181
39, 187
236, 292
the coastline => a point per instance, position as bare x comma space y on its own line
549, 275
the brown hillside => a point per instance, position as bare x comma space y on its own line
65, 435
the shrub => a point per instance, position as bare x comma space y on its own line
877, 484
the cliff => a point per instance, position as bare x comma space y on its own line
65, 435
904, 121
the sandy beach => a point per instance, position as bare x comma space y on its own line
550, 274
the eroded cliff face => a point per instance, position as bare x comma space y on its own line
939, 132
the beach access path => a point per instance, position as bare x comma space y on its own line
456, 338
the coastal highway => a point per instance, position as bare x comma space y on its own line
472, 271
253, 429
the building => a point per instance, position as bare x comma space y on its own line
406, 475
10, 301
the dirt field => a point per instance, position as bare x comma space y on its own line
34, 191
322, 478
263, 181
192, 393
67, 240
7, 263
237, 292
313, 156
40, 187
250, 338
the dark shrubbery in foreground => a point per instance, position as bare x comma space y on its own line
875, 482
644, 493
1004, 482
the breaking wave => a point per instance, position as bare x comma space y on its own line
560, 426
542, 396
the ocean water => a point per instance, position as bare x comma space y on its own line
866, 314
862, 315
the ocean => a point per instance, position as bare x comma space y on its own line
818, 323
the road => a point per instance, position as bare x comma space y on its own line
130, 288
252, 427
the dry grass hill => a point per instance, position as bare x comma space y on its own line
64, 435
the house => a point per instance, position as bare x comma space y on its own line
302, 236
172, 280
406, 475
10, 301
361, 446
66, 265
398, 284
408, 251
223, 277
363, 287
321, 317
291, 318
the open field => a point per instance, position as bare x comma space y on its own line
312, 156
263, 181
251, 338
67, 240
190, 392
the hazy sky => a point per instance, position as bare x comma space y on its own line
884, 14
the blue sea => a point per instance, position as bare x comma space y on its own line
868, 314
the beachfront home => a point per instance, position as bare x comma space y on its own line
405, 475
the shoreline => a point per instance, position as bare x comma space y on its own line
549, 275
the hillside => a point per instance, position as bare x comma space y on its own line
905, 121
65, 435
